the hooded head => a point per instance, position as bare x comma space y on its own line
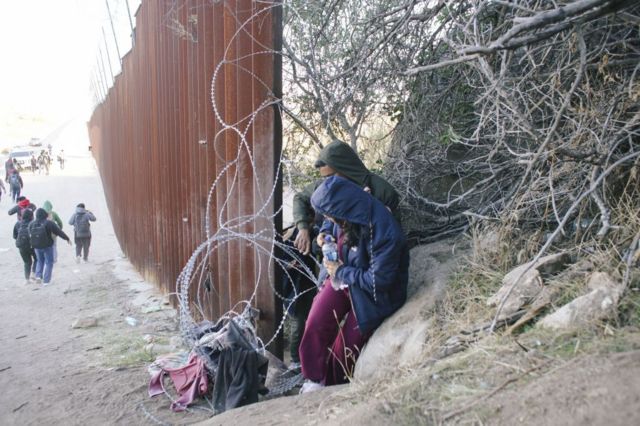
342, 199
47, 206
41, 214
27, 215
344, 160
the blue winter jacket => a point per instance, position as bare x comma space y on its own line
377, 268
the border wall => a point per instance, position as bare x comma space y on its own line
194, 106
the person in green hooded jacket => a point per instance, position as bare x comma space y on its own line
339, 159
53, 216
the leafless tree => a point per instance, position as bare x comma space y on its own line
344, 60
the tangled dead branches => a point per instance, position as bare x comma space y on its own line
539, 127
520, 115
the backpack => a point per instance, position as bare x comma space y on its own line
23, 240
13, 180
38, 235
81, 224
22, 209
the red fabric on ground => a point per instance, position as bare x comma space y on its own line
190, 381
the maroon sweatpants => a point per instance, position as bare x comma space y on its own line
328, 352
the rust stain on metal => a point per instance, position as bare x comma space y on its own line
159, 147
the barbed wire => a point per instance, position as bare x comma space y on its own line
265, 241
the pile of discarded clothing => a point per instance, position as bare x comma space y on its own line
226, 364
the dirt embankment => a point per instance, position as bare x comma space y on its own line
592, 390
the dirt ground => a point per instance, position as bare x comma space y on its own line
592, 390
51, 373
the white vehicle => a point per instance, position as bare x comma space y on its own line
22, 158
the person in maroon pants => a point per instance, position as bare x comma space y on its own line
367, 283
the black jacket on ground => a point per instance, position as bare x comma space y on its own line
240, 377
241, 373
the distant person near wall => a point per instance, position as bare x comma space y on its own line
80, 221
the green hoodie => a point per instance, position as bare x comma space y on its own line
344, 160
48, 207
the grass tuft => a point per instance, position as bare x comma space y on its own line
124, 350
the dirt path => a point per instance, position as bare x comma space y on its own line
51, 373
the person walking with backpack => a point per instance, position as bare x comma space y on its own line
15, 184
34, 163
22, 204
82, 231
54, 217
9, 166
41, 233
43, 163
23, 242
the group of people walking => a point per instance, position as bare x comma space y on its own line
36, 232
366, 283
12, 172
42, 162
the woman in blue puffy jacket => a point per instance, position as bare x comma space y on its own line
367, 284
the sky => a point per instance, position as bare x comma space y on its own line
49, 51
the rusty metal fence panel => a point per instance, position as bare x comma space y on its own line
160, 147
